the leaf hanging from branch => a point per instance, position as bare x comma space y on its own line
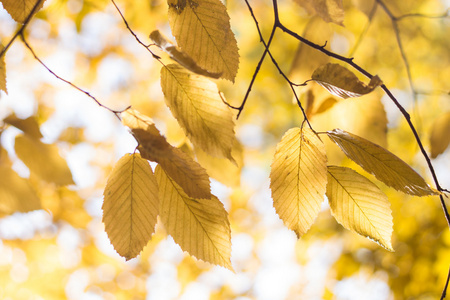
343, 83
328, 10
440, 135
21, 9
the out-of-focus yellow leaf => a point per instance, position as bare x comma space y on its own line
378, 161
298, 178
16, 194
3, 72
202, 29
359, 205
328, 10
179, 166
29, 125
343, 83
196, 104
43, 160
440, 134
326, 105
178, 55
199, 226
131, 205
21, 9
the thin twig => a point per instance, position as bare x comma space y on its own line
366, 28
444, 292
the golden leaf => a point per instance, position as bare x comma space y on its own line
199, 226
343, 83
298, 179
202, 30
359, 205
43, 160
196, 104
378, 161
440, 134
131, 205
326, 105
3, 72
29, 125
153, 146
328, 10
21, 9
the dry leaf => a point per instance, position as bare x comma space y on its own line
328, 10
21, 9
440, 134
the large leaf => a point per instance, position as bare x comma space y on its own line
153, 146
378, 161
43, 160
440, 134
328, 10
343, 83
359, 205
196, 104
21, 9
199, 226
202, 29
298, 178
131, 205
2, 72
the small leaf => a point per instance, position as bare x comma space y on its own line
131, 205
202, 30
29, 125
298, 179
326, 105
328, 10
3, 72
199, 226
378, 161
21, 9
359, 205
43, 160
440, 134
343, 83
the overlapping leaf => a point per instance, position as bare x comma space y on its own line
29, 125
153, 146
196, 104
202, 30
21, 9
378, 161
199, 226
440, 134
131, 205
2, 72
359, 205
298, 178
328, 10
343, 83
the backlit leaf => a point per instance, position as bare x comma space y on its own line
21, 9
196, 104
43, 160
153, 146
199, 226
359, 205
202, 30
328, 10
343, 83
131, 205
440, 134
326, 105
298, 178
29, 125
2, 72
378, 161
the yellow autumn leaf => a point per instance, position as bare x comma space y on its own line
298, 178
3, 72
328, 10
199, 226
326, 105
16, 194
43, 160
196, 104
29, 125
131, 205
153, 146
440, 134
378, 161
343, 83
359, 205
21, 9
202, 30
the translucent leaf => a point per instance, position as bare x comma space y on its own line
359, 205
202, 30
343, 83
2, 72
131, 205
16, 194
196, 104
21, 9
298, 179
378, 161
326, 105
440, 134
328, 10
199, 226
178, 55
43, 160
153, 146
29, 125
